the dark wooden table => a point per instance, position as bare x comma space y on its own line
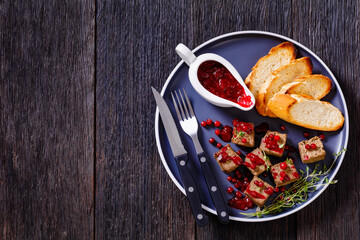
78, 159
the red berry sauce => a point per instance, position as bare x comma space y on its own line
218, 80
271, 142
243, 126
255, 159
225, 158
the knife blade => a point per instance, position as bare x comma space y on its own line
181, 159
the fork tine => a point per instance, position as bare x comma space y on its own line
176, 108
184, 105
180, 106
189, 104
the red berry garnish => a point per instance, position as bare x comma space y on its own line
295, 174
256, 182
229, 178
217, 124
237, 185
281, 178
282, 174
230, 190
282, 189
253, 166
246, 179
226, 133
283, 165
219, 145
313, 146
271, 136
276, 137
282, 128
217, 132
209, 122
269, 190
306, 134
322, 137
276, 189
261, 184
307, 146
203, 123
243, 140
238, 194
211, 140
237, 172
233, 180
239, 152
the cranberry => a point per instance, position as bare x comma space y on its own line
238, 176
281, 178
237, 185
295, 174
230, 190
271, 136
243, 140
287, 147
229, 178
219, 145
256, 182
217, 131
233, 180
307, 146
262, 128
211, 140
313, 146
322, 137
253, 166
282, 128
203, 123
276, 189
239, 152
269, 190
282, 174
209, 122
261, 184
283, 165
238, 194
226, 133
217, 124
306, 134
246, 179
281, 197
276, 137
282, 189
237, 172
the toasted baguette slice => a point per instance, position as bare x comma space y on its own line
307, 112
278, 56
285, 74
316, 86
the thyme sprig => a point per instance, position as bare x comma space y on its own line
298, 192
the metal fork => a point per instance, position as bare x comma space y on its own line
189, 124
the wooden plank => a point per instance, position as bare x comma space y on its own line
135, 198
46, 119
331, 30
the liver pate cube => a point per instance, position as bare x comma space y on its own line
257, 162
243, 134
228, 159
310, 153
284, 173
259, 191
273, 143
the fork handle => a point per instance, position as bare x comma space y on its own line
191, 189
214, 188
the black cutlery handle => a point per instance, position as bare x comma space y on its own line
192, 191
214, 189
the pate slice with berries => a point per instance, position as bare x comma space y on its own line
284, 173
257, 162
243, 133
227, 159
311, 150
259, 191
273, 143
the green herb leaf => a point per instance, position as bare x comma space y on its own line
281, 145
240, 134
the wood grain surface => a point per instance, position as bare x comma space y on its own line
78, 158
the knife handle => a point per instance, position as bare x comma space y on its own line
192, 191
214, 189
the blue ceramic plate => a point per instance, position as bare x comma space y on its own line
243, 50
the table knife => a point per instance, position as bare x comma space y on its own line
181, 159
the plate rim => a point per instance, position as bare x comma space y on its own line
256, 32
